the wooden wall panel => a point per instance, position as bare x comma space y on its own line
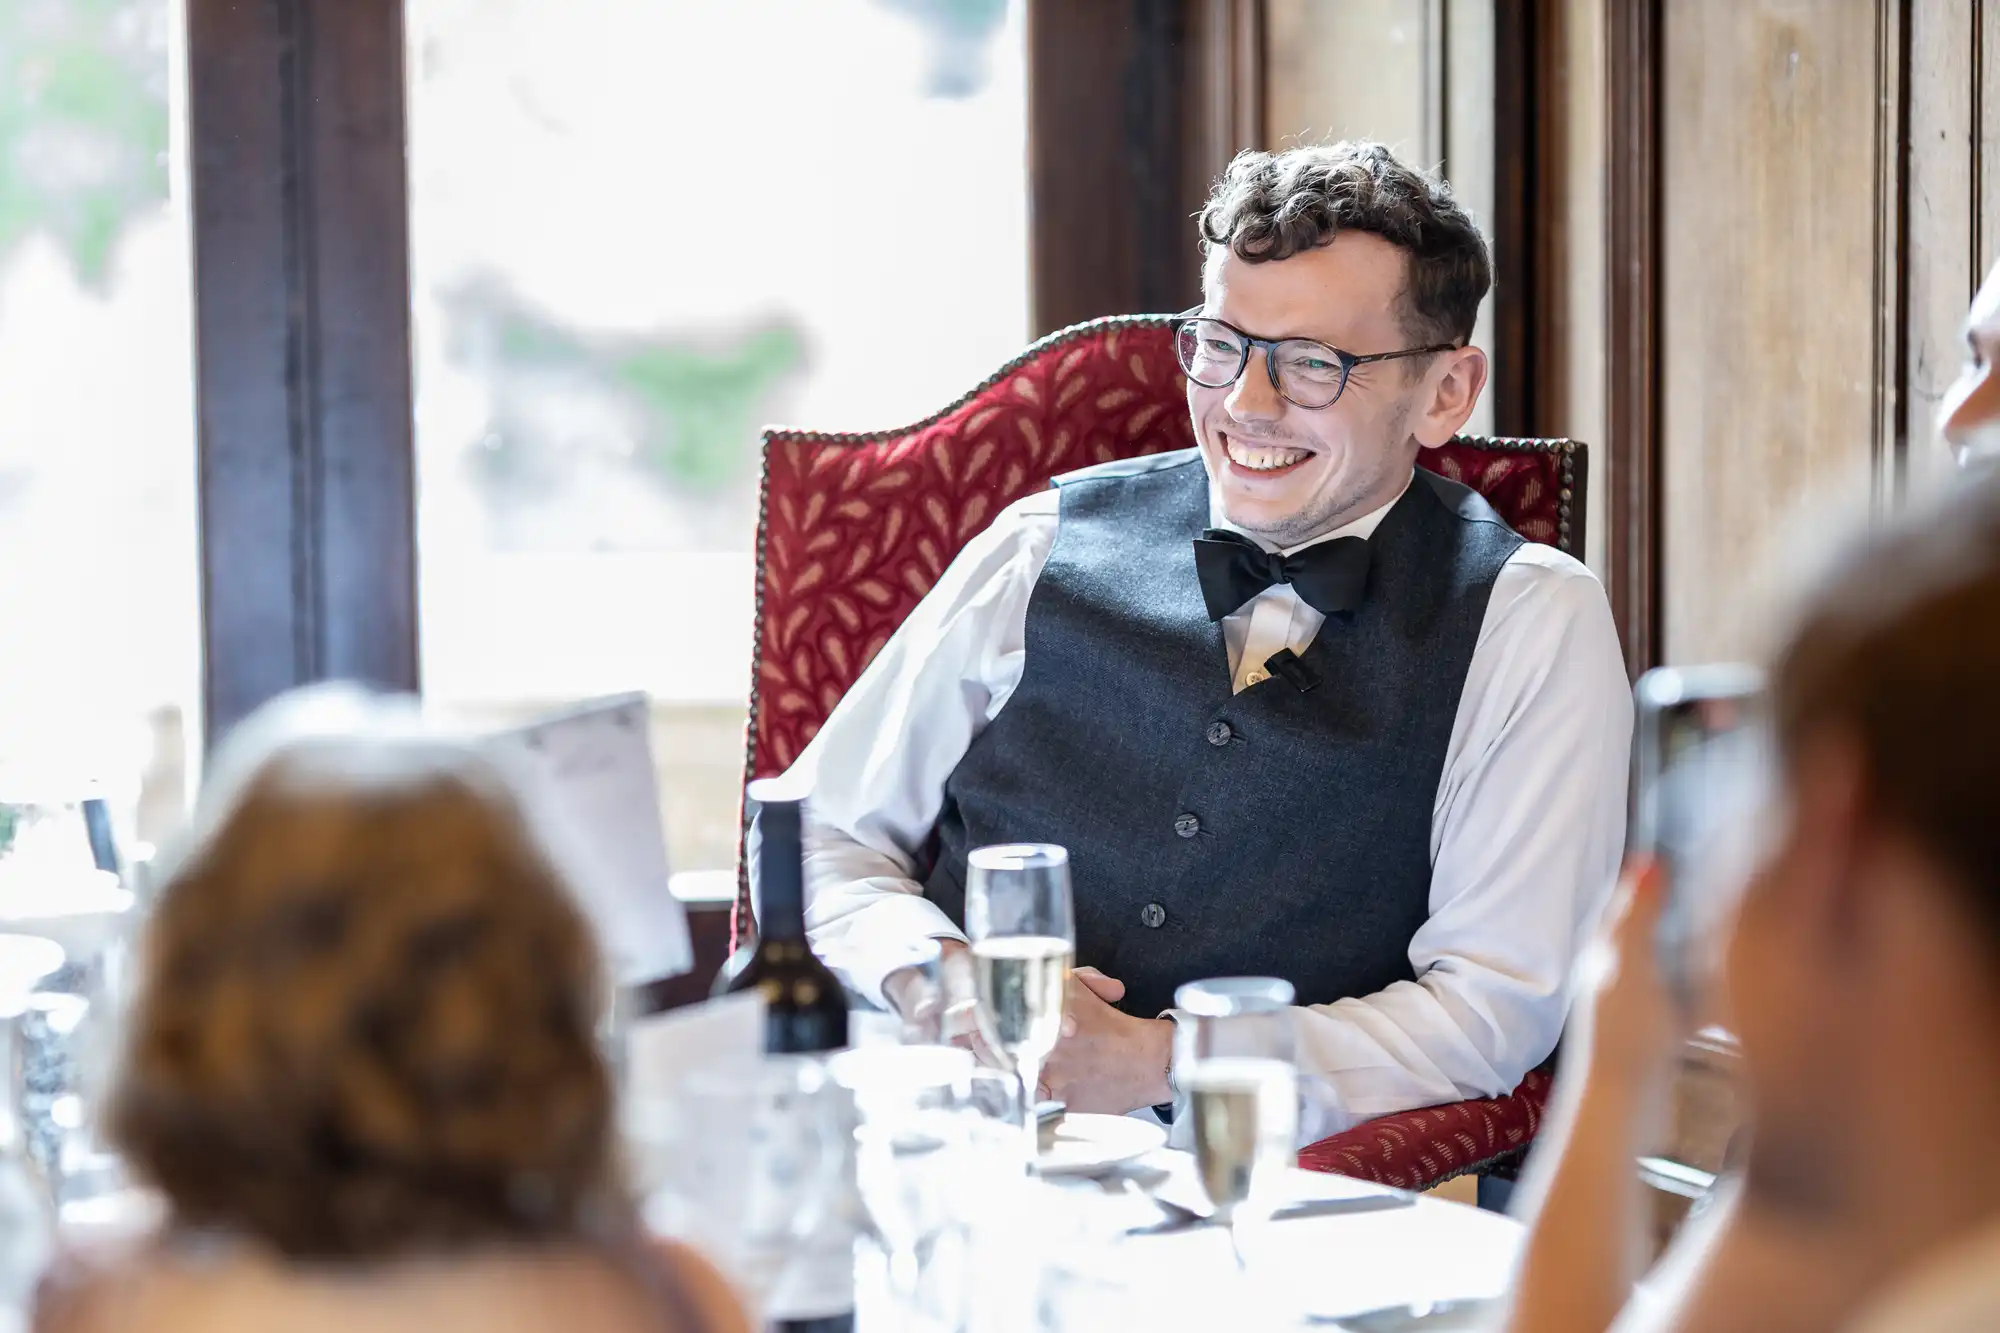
1466, 88
1107, 184
1572, 339
1358, 69
1986, 123
1943, 217
1770, 328
1134, 106
1226, 47
1416, 74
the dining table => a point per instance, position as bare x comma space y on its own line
1127, 1250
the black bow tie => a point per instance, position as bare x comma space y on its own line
1330, 576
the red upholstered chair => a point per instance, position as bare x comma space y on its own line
853, 530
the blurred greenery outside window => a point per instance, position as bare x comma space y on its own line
640, 233
99, 637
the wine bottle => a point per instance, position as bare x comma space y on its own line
805, 1008
805, 1012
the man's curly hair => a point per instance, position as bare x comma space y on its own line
1271, 206
366, 1022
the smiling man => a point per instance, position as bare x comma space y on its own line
1295, 706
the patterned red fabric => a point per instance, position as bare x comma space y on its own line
854, 530
1417, 1149
1522, 479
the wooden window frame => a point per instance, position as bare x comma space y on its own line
1134, 107
305, 438
1633, 39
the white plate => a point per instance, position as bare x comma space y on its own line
1090, 1145
1471, 1316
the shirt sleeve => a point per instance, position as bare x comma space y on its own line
873, 777
1527, 835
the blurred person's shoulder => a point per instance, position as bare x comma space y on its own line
220, 1288
1955, 1291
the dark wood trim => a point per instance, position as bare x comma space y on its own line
1977, 167
302, 337
1521, 211
1133, 107
1631, 449
1889, 444
709, 939
1434, 31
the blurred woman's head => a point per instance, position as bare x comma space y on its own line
365, 1023
1864, 970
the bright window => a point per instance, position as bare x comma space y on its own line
99, 630
641, 232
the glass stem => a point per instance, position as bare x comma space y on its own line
1029, 1072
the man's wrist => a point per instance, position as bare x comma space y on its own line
900, 989
1160, 1050
907, 987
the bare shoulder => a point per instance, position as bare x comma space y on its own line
719, 1307
86, 1288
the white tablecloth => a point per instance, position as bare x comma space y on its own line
1060, 1261
1076, 1270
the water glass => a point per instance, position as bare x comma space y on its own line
1022, 924
745, 1161
932, 1162
1234, 1060
27, 1214
63, 1036
907, 1103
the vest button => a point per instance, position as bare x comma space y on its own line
1187, 826
1152, 916
1257, 677
1219, 733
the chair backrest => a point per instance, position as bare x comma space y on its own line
854, 529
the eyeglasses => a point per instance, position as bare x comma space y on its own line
1306, 373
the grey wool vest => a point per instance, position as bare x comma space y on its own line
1283, 831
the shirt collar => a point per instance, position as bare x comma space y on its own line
1363, 527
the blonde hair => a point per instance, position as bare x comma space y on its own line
366, 1015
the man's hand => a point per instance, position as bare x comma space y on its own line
920, 1003
944, 1012
1107, 1061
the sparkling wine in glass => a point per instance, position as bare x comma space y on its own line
1022, 925
1235, 1064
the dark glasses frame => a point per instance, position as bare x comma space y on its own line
1346, 360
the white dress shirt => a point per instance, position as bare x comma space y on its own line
1526, 830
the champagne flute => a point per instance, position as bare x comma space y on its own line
1022, 924
1234, 1061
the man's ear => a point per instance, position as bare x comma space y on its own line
1455, 384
